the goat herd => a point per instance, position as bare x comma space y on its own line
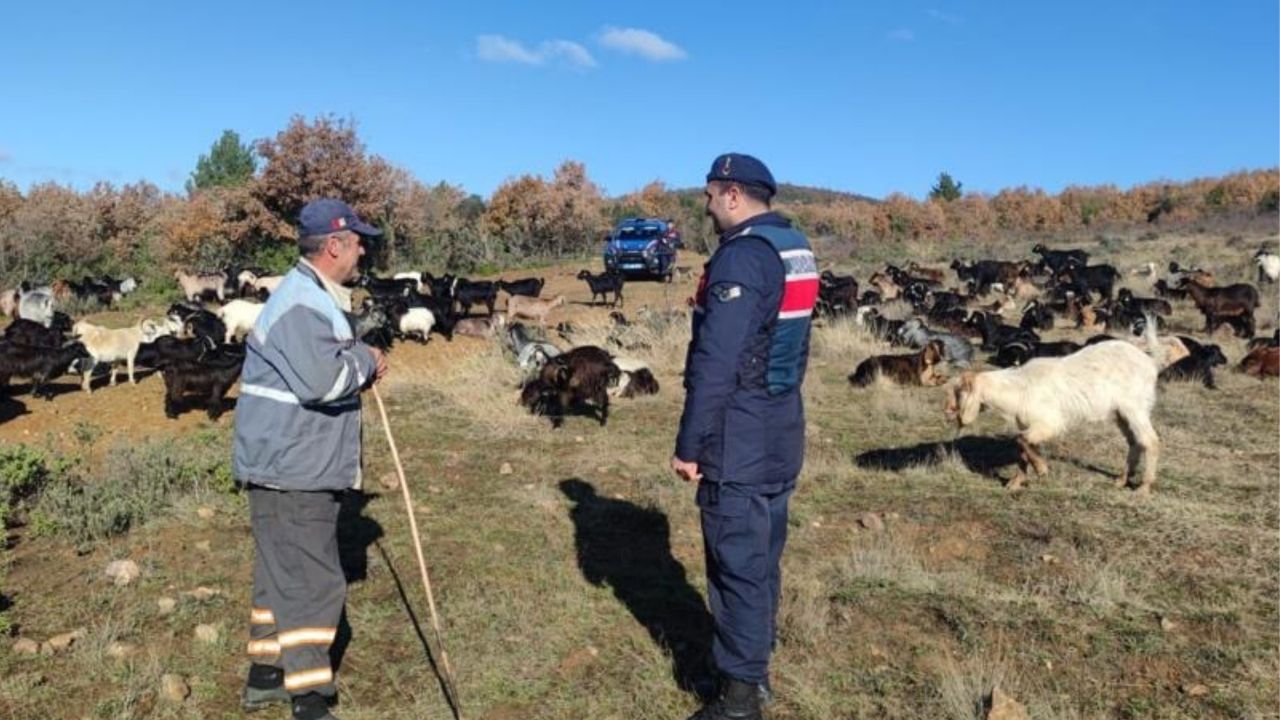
199, 350
1046, 388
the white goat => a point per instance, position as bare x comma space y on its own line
417, 321
1049, 396
193, 286
239, 316
1268, 266
37, 305
110, 345
267, 282
414, 276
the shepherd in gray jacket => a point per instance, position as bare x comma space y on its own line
297, 447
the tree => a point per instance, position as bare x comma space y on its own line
228, 164
322, 159
947, 189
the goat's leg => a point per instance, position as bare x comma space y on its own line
1031, 450
1147, 448
84, 384
602, 400
213, 407
129, 364
1135, 451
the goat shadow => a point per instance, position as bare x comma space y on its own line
981, 455
10, 408
356, 533
628, 548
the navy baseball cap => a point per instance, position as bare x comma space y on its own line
736, 167
327, 215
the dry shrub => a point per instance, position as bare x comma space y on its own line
483, 386
965, 685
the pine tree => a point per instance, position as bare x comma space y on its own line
947, 189
228, 164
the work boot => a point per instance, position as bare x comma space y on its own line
765, 692
312, 706
736, 700
264, 688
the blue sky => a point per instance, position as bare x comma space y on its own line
866, 97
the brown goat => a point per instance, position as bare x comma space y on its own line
914, 369
918, 270
1261, 362
1233, 304
571, 380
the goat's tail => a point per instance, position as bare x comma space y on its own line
1154, 348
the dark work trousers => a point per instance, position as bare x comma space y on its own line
298, 585
743, 533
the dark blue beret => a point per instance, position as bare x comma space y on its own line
736, 167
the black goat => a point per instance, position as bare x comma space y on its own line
208, 377
32, 333
41, 364
1196, 367
1036, 316
1019, 352
995, 334
529, 287
1091, 278
603, 284
1055, 261
467, 293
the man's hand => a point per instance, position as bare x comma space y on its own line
380, 363
688, 471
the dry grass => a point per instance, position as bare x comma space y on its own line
572, 587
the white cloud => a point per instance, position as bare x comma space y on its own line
496, 48
903, 35
570, 52
943, 17
646, 44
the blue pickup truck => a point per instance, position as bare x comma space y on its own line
642, 246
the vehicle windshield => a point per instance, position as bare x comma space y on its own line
639, 232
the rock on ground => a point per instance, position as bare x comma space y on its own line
122, 572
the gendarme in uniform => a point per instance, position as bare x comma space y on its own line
743, 420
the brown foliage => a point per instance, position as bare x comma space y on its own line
325, 158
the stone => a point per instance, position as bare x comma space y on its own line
174, 688
1004, 707
579, 438
871, 521
204, 546
202, 593
166, 605
1049, 559
122, 572
506, 469
205, 512
119, 650
207, 633
26, 646
1196, 690
1166, 624
389, 481
63, 642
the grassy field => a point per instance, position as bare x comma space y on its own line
571, 586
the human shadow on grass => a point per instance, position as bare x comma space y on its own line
981, 455
356, 533
628, 548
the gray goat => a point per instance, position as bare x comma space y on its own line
957, 351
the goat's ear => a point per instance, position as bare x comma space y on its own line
966, 380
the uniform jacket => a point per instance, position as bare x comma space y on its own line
743, 420
298, 416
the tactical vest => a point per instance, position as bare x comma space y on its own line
787, 334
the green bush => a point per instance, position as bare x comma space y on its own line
23, 473
134, 484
